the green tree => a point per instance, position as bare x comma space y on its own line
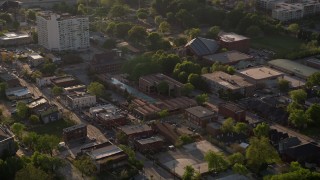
137, 33
216, 162
298, 95
3, 87
213, 32
184, 139
236, 158
158, 20
121, 29
193, 33
240, 169
163, 87
118, 10
46, 163
164, 27
22, 109
313, 80
294, 106
31, 15
142, 15
81, 9
95, 88
187, 89
283, 85
202, 98
298, 118
85, 165
163, 113
109, 44
56, 90
260, 152
32, 173
188, 173
294, 28
48, 68
313, 114
31, 140
296, 172
241, 127
261, 130
254, 31
228, 125
47, 143
18, 128
34, 119
122, 138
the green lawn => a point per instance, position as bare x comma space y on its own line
280, 44
54, 128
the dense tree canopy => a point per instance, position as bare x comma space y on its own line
216, 162
259, 152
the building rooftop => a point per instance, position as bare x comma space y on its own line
5, 133
150, 140
293, 67
231, 37
260, 73
229, 81
7, 77
200, 111
202, 46
133, 129
12, 35
105, 152
58, 80
76, 95
157, 78
37, 102
48, 15
17, 91
110, 57
232, 106
72, 128
228, 57
35, 56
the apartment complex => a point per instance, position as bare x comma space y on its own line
62, 32
286, 10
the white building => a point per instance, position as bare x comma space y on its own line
63, 32
286, 10
35, 59
80, 100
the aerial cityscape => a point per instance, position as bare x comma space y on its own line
160, 89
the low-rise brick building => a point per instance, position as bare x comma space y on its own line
75, 133
149, 145
136, 131
232, 110
198, 116
7, 143
233, 41
108, 62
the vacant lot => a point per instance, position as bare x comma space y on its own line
280, 44
54, 128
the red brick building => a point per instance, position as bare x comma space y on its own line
150, 145
65, 81
75, 133
108, 62
109, 120
198, 116
232, 41
137, 131
232, 110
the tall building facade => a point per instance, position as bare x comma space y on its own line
63, 32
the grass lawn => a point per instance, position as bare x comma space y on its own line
54, 128
280, 44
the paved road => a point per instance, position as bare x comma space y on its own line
151, 170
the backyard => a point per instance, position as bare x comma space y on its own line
280, 44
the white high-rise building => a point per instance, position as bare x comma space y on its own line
63, 32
